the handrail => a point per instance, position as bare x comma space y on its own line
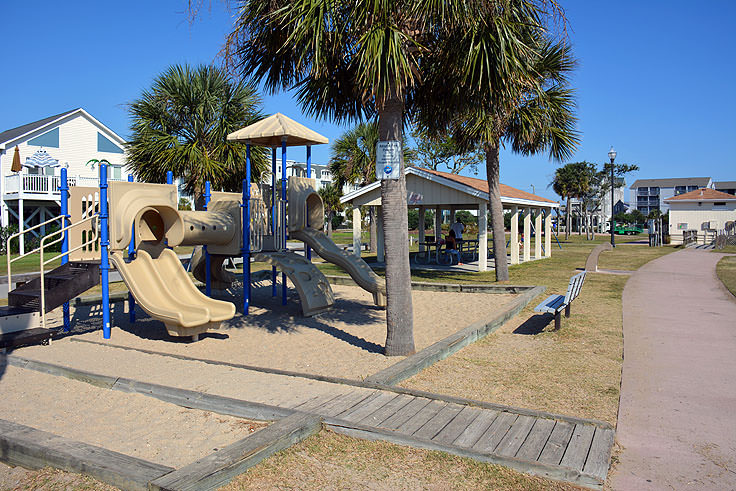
18, 234
43, 263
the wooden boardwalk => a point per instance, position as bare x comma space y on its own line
570, 450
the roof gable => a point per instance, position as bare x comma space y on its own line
14, 133
704, 194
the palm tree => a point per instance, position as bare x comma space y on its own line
353, 161
331, 194
530, 108
351, 60
181, 125
572, 181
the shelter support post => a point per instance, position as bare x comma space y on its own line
538, 233
437, 223
245, 251
548, 233
21, 226
356, 231
452, 216
284, 177
380, 246
514, 235
207, 259
274, 214
527, 233
422, 236
482, 237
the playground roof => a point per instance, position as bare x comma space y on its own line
427, 187
273, 130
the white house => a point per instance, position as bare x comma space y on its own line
647, 195
70, 140
704, 210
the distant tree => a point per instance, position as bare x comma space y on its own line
572, 181
637, 217
441, 150
414, 219
331, 194
181, 125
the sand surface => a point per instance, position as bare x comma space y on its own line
343, 342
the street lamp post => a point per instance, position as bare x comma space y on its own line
612, 156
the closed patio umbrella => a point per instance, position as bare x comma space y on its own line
16, 167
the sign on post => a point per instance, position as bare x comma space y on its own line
388, 159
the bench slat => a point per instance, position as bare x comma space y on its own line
550, 304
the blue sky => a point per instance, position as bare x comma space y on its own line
655, 78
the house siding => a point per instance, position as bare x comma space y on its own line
697, 216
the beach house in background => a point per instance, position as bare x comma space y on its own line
30, 195
648, 195
705, 211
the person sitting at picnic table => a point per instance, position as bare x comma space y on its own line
451, 246
458, 227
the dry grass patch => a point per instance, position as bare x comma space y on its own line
47, 479
574, 371
329, 461
726, 271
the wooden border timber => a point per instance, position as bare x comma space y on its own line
536, 468
36, 449
444, 287
219, 468
442, 349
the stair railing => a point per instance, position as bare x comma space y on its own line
21, 256
95, 227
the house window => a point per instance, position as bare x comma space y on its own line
104, 144
48, 139
114, 172
691, 188
719, 204
680, 190
642, 191
654, 191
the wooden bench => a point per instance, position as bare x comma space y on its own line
555, 303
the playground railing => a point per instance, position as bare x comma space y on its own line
18, 235
280, 228
60, 233
258, 224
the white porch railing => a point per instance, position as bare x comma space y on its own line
40, 186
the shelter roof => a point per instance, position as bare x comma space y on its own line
701, 182
472, 187
271, 131
704, 194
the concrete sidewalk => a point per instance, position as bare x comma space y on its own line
677, 418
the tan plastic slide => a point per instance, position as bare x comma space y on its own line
164, 290
354, 266
313, 288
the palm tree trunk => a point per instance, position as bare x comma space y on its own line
493, 173
373, 228
399, 310
568, 219
329, 224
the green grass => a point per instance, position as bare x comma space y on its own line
726, 271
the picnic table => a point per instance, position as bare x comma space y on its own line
430, 254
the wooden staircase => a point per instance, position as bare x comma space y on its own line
60, 285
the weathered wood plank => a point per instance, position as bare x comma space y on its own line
555, 447
577, 449
532, 447
363, 410
317, 401
405, 413
343, 403
35, 449
475, 430
419, 419
378, 417
438, 422
495, 433
455, 427
367, 400
217, 469
599, 456
515, 437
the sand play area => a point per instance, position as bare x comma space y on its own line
345, 341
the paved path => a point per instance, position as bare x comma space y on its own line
677, 418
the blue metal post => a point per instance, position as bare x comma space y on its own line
169, 177
104, 259
208, 273
131, 256
246, 232
308, 249
64, 190
274, 213
283, 228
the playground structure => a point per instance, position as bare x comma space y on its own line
136, 225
